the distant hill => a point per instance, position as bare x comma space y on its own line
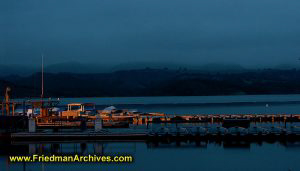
211, 67
6, 70
18, 90
77, 67
71, 67
287, 66
152, 65
221, 67
156, 82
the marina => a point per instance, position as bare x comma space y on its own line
48, 126
43, 120
151, 136
169, 134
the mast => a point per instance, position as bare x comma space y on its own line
42, 93
42, 112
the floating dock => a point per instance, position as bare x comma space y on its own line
216, 118
165, 134
164, 118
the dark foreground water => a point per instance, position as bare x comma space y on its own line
212, 156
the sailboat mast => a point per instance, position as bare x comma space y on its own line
42, 93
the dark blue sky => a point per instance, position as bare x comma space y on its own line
247, 32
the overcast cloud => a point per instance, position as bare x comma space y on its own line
247, 32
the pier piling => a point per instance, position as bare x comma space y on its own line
31, 125
98, 124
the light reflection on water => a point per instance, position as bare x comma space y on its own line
179, 109
211, 156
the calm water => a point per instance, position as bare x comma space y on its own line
249, 157
187, 99
250, 104
186, 156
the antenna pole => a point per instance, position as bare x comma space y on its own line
42, 94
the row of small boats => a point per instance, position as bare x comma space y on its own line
236, 131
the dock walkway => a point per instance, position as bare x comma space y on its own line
168, 134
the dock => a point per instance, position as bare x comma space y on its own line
211, 118
140, 119
165, 134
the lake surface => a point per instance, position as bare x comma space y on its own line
187, 99
246, 104
206, 157
210, 156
